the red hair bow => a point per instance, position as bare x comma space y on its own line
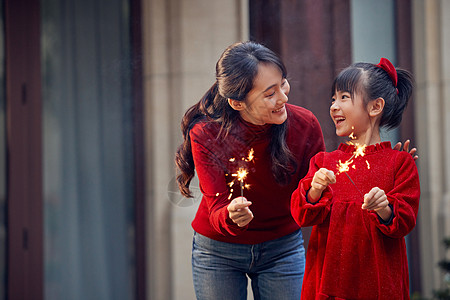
386, 65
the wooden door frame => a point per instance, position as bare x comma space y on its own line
24, 150
25, 236
404, 44
139, 147
290, 39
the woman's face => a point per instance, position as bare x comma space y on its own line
265, 103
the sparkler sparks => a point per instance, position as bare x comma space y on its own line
359, 151
251, 155
241, 173
352, 135
343, 167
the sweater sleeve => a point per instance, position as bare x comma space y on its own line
404, 198
304, 212
208, 159
315, 142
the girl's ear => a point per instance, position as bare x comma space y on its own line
236, 105
376, 107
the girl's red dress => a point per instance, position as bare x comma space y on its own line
352, 254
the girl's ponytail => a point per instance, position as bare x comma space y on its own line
396, 99
183, 156
405, 85
396, 102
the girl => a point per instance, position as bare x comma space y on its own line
246, 111
357, 246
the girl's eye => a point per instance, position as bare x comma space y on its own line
284, 82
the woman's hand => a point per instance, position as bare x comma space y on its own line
413, 151
377, 200
321, 180
239, 212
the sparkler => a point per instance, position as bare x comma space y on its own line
241, 173
343, 167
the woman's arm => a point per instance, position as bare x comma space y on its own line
209, 160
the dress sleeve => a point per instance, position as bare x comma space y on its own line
404, 198
304, 212
208, 161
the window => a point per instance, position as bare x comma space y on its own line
373, 37
3, 229
88, 162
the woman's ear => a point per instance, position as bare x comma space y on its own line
236, 105
376, 107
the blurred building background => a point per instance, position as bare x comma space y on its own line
92, 97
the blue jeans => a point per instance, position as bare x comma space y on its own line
275, 268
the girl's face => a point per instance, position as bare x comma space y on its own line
350, 115
265, 103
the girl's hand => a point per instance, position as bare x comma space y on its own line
321, 180
239, 212
377, 200
413, 151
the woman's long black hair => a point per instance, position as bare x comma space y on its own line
236, 70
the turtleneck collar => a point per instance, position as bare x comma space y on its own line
252, 128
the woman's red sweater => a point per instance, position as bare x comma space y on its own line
270, 200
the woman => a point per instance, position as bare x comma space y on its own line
244, 121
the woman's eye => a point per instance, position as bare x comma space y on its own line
283, 83
268, 96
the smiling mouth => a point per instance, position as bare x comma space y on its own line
339, 120
278, 110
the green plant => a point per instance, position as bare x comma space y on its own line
444, 293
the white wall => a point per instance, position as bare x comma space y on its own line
431, 34
182, 41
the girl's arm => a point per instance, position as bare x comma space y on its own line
377, 201
322, 178
403, 198
307, 209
